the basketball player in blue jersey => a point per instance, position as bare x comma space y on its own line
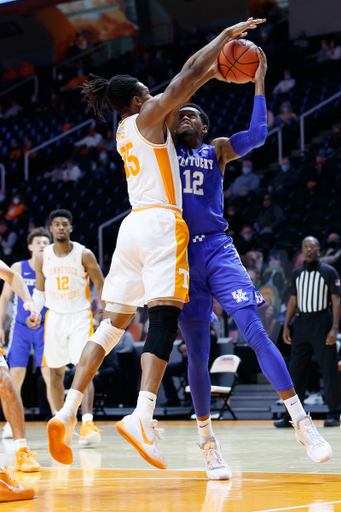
216, 271
21, 337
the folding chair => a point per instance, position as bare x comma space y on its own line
223, 364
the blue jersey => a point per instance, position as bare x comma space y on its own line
29, 276
202, 189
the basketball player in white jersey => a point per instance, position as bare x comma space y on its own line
149, 265
62, 284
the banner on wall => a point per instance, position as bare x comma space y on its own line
100, 20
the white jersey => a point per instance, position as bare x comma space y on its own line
152, 170
66, 284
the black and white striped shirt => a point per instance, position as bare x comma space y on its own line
314, 284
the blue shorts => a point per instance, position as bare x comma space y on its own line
215, 270
21, 339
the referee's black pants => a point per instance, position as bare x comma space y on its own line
310, 331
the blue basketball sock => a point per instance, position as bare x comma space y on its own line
269, 357
196, 334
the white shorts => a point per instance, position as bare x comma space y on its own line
3, 361
65, 337
150, 259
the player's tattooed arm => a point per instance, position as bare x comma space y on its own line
4, 300
95, 273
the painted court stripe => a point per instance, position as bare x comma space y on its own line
301, 506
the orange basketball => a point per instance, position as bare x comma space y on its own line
238, 61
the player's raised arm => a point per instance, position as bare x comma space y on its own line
95, 273
242, 143
16, 282
193, 71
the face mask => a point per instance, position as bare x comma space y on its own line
246, 170
285, 168
103, 156
247, 236
332, 245
285, 109
2, 198
16, 200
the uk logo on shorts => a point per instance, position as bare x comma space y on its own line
239, 296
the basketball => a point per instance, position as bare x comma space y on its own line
238, 61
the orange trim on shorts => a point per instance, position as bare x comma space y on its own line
91, 331
181, 267
173, 208
163, 161
43, 363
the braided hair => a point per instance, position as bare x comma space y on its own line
118, 92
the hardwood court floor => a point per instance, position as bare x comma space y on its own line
271, 472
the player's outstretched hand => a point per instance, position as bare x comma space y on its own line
263, 66
33, 321
240, 29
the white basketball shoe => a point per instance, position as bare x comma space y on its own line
142, 434
216, 467
317, 448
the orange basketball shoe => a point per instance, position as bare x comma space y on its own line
25, 461
90, 434
10, 490
59, 433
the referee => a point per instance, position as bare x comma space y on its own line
315, 300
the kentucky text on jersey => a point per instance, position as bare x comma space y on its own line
202, 189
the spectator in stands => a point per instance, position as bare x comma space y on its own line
3, 204
285, 85
72, 171
235, 221
334, 52
10, 76
271, 120
247, 242
286, 117
106, 373
244, 184
56, 174
109, 142
335, 139
26, 69
103, 166
322, 55
13, 110
15, 151
89, 144
178, 369
15, 209
285, 179
77, 80
8, 239
301, 44
27, 147
77, 45
320, 175
270, 218
56, 103
332, 255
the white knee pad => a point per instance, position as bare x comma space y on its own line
114, 307
107, 336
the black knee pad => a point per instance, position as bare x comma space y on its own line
163, 328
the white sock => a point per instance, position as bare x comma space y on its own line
205, 430
87, 417
19, 443
294, 408
73, 400
146, 404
